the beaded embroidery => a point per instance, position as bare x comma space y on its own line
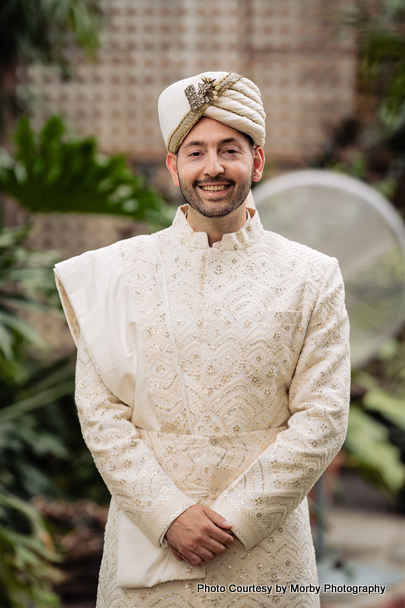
207, 92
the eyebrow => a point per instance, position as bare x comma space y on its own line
228, 140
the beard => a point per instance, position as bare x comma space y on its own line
216, 208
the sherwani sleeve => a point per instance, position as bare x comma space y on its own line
259, 500
128, 467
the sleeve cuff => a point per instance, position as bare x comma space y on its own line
243, 528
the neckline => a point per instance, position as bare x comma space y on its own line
244, 237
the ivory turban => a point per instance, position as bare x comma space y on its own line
224, 96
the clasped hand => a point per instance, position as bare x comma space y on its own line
199, 534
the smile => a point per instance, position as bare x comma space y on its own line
214, 188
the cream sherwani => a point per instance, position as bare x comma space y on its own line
236, 397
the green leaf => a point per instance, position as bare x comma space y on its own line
52, 174
6, 343
21, 327
392, 408
36, 401
24, 138
367, 440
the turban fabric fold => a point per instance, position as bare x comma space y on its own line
226, 97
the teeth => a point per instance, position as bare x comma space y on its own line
213, 188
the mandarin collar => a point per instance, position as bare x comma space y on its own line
246, 236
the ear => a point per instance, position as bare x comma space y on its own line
258, 163
171, 164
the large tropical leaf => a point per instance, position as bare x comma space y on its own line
371, 452
392, 408
51, 174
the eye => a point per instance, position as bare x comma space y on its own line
195, 154
231, 151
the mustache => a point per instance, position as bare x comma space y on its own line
214, 181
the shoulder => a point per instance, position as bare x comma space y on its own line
85, 257
95, 257
302, 258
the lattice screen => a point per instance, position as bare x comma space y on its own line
296, 53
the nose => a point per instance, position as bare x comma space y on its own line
213, 165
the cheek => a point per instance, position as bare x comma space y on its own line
242, 173
188, 175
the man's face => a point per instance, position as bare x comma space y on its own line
215, 167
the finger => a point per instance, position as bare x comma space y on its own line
205, 555
204, 551
177, 554
213, 546
193, 558
218, 519
220, 536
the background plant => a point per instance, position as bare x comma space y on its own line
26, 571
44, 31
26, 556
379, 28
375, 442
370, 146
41, 448
51, 173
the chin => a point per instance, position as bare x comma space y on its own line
209, 211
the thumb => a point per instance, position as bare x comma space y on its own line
217, 519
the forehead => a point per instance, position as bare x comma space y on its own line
211, 131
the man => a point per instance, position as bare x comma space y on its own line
212, 376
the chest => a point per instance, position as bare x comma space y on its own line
234, 325
241, 300
239, 324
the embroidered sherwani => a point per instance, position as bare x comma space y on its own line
248, 377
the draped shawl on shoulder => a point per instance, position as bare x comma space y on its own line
96, 299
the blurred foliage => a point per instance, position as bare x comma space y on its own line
26, 574
370, 145
45, 30
28, 444
42, 31
375, 442
389, 367
381, 38
26, 285
41, 449
357, 166
26, 556
49, 173
371, 453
